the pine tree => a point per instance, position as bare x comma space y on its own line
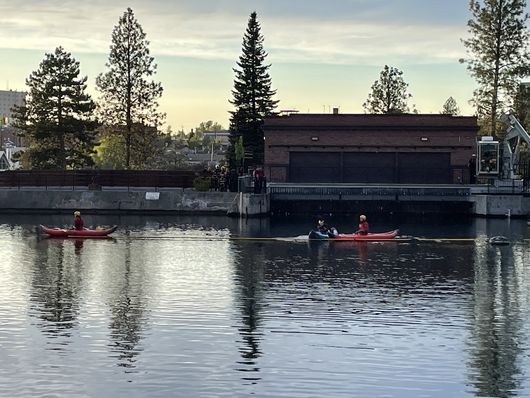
57, 120
499, 55
521, 105
389, 94
252, 95
129, 99
450, 107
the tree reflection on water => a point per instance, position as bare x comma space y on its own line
55, 287
249, 278
500, 298
127, 310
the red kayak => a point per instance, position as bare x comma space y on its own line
74, 233
370, 237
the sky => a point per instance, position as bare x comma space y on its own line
323, 53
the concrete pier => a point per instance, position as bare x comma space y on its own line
479, 200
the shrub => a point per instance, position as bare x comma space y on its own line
201, 184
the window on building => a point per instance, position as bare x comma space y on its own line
3, 164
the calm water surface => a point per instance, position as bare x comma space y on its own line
150, 315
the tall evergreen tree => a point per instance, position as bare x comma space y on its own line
450, 107
57, 120
389, 94
129, 98
521, 105
252, 95
499, 55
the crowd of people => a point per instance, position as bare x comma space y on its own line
223, 180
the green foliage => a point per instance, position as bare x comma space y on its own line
252, 94
450, 107
499, 55
389, 94
202, 184
147, 146
521, 106
110, 154
239, 149
198, 139
129, 99
57, 120
208, 127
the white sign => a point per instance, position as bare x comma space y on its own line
152, 195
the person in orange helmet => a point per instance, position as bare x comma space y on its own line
364, 228
79, 224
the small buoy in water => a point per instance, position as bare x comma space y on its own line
499, 240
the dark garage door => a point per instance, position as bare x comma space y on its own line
371, 167
427, 168
314, 167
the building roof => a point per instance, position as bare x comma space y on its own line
304, 121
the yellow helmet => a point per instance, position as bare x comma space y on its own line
362, 217
77, 213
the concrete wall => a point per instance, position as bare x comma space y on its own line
176, 200
501, 205
254, 204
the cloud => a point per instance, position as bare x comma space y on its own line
334, 32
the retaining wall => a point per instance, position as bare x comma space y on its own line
501, 205
177, 200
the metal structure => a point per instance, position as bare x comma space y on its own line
514, 141
488, 157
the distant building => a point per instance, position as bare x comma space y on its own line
220, 137
361, 148
8, 99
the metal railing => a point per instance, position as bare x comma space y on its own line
341, 191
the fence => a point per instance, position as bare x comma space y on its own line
524, 170
86, 178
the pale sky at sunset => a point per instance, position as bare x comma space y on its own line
324, 54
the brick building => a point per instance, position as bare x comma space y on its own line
362, 148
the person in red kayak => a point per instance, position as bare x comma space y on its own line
78, 221
364, 228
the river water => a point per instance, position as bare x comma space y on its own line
192, 307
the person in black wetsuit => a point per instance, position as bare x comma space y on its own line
323, 228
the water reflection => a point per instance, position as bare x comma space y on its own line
249, 276
270, 318
55, 288
497, 322
127, 309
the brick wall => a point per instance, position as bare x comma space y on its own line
366, 133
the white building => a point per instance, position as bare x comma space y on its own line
8, 99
